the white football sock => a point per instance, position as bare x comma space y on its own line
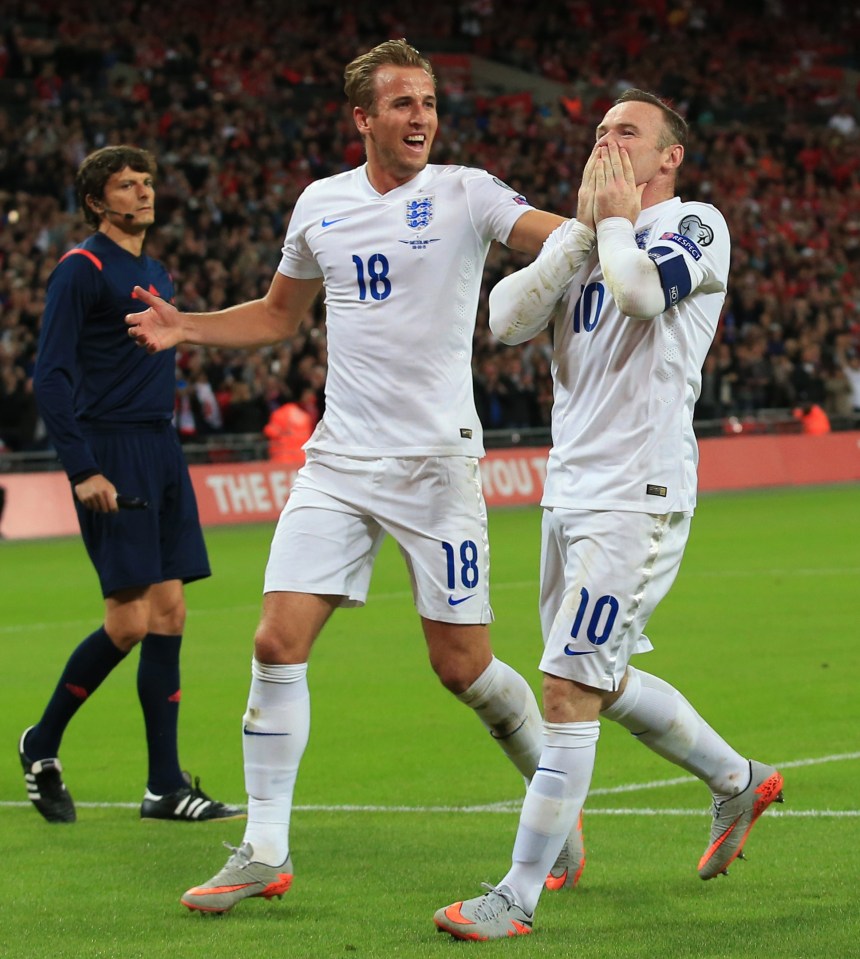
275, 730
551, 807
661, 718
506, 705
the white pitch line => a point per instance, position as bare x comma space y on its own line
508, 808
681, 780
399, 595
513, 805
798, 571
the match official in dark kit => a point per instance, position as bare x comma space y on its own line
108, 408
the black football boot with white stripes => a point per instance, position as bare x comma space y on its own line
45, 787
188, 804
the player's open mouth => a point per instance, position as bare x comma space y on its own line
415, 141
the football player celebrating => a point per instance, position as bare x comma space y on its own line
634, 287
398, 245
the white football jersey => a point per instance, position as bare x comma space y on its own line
625, 388
402, 274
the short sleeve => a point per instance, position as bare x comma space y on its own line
297, 260
493, 205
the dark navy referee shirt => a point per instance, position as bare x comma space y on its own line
88, 369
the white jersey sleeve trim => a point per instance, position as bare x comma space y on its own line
522, 303
494, 207
297, 261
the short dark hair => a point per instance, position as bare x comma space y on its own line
675, 129
360, 73
99, 167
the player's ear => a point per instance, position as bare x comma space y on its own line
359, 115
675, 157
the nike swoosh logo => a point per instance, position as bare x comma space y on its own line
577, 652
219, 890
456, 602
326, 222
252, 732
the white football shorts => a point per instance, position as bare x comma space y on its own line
341, 508
603, 572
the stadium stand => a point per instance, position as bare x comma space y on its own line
243, 108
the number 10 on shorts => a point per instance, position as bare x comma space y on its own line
600, 622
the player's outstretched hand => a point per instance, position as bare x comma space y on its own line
156, 328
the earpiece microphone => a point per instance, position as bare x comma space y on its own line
125, 216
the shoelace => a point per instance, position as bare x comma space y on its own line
496, 902
242, 858
198, 793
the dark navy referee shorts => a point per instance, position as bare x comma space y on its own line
145, 546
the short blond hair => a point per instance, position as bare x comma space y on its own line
675, 128
360, 73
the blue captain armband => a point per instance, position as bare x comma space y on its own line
674, 274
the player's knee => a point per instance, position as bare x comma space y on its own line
127, 623
276, 643
126, 635
566, 701
459, 654
456, 673
170, 622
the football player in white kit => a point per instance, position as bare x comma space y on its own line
634, 308
398, 245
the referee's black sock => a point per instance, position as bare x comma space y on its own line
159, 693
87, 667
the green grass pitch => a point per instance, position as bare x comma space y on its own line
760, 632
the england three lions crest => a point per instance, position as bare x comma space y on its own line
419, 212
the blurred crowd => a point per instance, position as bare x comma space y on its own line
243, 107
